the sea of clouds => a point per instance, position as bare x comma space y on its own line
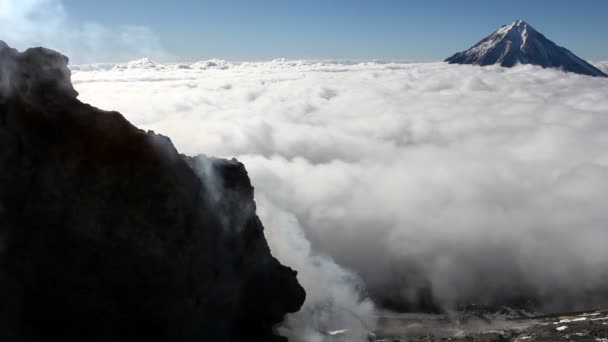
403, 182
464, 183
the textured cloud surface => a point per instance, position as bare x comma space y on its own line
454, 183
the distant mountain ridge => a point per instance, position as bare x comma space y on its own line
520, 43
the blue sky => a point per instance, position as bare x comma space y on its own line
349, 29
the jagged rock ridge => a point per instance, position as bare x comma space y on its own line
520, 43
108, 234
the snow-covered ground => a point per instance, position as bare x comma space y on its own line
473, 181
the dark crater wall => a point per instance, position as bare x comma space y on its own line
108, 234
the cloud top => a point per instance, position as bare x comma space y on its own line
431, 182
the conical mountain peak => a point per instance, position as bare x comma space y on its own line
520, 43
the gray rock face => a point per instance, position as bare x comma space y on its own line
33, 71
520, 43
107, 233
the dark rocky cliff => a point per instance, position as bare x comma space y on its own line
108, 234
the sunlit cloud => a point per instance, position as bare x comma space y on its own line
477, 184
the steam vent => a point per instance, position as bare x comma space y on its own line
107, 233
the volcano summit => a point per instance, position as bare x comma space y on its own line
520, 43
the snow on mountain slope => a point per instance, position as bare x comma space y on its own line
520, 43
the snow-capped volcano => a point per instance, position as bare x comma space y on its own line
520, 43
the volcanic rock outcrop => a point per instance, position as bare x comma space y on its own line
107, 233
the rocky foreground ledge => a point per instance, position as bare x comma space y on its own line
108, 234
591, 326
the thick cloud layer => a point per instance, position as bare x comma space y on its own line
432, 182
